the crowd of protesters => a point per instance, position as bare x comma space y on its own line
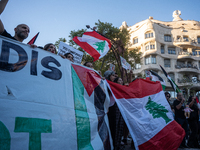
186, 113
118, 128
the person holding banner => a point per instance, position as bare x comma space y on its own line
69, 56
88, 64
21, 31
50, 47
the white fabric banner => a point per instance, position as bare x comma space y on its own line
37, 108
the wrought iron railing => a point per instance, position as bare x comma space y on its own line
189, 80
186, 66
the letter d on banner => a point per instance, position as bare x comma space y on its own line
4, 58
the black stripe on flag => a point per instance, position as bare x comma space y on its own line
99, 99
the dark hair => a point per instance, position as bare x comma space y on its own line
166, 93
108, 73
47, 46
85, 64
116, 79
190, 99
66, 54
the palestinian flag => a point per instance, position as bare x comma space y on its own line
32, 41
94, 44
90, 98
173, 84
148, 115
156, 77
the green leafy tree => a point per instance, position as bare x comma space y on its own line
157, 110
58, 42
119, 39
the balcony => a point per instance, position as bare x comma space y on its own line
192, 80
186, 66
188, 55
185, 42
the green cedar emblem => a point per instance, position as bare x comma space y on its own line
157, 110
100, 46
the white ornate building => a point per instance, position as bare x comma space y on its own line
175, 45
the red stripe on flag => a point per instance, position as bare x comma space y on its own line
197, 100
169, 138
89, 49
98, 36
32, 41
136, 89
89, 78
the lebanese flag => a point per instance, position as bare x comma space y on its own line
32, 41
94, 44
148, 115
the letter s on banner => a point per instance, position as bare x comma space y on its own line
55, 73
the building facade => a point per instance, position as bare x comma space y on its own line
174, 45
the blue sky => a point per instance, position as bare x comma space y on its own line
56, 18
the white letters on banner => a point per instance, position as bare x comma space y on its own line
64, 48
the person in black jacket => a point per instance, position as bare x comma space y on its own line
193, 123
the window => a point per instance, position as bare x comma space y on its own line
147, 60
148, 35
150, 60
194, 52
162, 49
167, 38
198, 39
199, 65
185, 38
153, 59
152, 46
172, 50
135, 40
147, 47
167, 63
172, 76
180, 63
137, 66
